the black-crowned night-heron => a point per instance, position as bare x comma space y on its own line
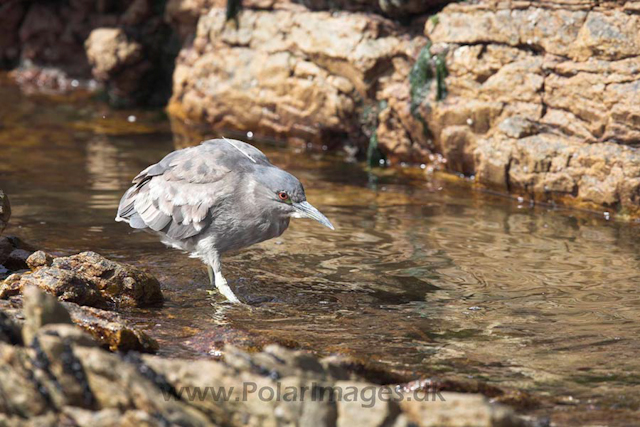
220, 196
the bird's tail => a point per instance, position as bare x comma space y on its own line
127, 211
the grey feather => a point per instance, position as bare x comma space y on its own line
136, 222
207, 191
175, 195
177, 214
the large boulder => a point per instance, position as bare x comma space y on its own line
297, 75
539, 101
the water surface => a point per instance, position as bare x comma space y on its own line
421, 277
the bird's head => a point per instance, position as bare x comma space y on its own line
283, 194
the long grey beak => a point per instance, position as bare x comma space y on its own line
306, 210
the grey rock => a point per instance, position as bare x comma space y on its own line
17, 260
39, 259
367, 409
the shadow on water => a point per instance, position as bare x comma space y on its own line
421, 278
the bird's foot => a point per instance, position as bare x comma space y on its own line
230, 297
224, 289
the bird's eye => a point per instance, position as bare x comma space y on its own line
283, 196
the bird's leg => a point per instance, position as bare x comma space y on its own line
216, 278
210, 271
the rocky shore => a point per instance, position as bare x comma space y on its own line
534, 99
70, 358
53, 374
90, 287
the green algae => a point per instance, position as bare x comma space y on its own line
373, 152
370, 113
435, 20
427, 68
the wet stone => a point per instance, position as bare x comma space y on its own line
110, 330
13, 254
39, 259
38, 309
89, 279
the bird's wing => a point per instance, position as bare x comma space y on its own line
175, 196
237, 152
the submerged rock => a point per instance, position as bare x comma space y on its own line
88, 279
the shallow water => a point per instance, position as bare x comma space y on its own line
422, 277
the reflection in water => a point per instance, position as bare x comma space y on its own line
105, 173
414, 279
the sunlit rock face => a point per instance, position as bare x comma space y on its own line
531, 98
541, 99
185, 13
537, 99
292, 74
